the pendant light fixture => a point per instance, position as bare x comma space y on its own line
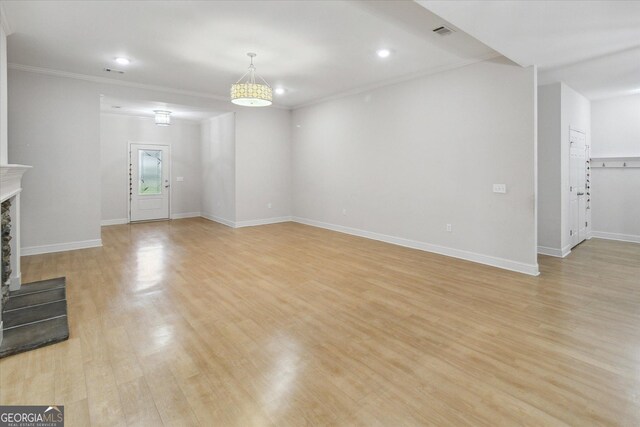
163, 117
249, 93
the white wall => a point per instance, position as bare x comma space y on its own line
616, 127
616, 192
560, 108
218, 154
404, 160
116, 131
549, 167
263, 165
4, 156
54, 125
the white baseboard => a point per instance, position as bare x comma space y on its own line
218, 220
248, 223
530, 269
264, 221
560, 253
16, 282
185, 215
118, 221
61, 247
616, 236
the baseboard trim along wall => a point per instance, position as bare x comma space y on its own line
60, 247
265, 221
248, 223
186, 215
560, 253
616, 236
219, 220
118, 221
530, 269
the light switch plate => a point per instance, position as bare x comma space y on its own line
180, 178
500, 188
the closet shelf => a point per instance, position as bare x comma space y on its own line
615, 162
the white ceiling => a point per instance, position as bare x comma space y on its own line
141, 108
593, 46
314, 49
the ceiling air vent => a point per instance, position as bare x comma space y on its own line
111, 70
443, 31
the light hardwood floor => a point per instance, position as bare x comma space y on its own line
189, 322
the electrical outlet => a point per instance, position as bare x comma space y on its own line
500, 188
449, 228
269, 205
344, 211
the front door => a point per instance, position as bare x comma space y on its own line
149, 180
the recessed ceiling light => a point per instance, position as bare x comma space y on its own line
122, 61
279, 90
383, 53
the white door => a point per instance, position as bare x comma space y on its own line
577, 187
149, 182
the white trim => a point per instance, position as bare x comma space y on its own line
16, 282
560, 253
536, 189
61, 247
396, 80
616, 236
181, 120
530, 269
343, 94
110, 81
218, 220
264, 221
4, 21
118, 221
185, 215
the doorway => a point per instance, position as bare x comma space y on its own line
149, 182
577, 187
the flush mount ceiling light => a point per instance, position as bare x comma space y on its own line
249, 93
123, 61
279, 91
163, 117
383, 53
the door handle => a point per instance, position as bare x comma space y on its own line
167, 186
580, 194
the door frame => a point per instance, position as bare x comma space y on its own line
128, 175
586, 157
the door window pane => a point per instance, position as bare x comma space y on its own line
150, 172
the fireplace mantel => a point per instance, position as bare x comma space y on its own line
11, 180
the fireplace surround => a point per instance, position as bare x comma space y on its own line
10, 189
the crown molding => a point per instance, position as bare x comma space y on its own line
339, 95
210, 119
106, 80
404, 78
143, 117
4, 21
